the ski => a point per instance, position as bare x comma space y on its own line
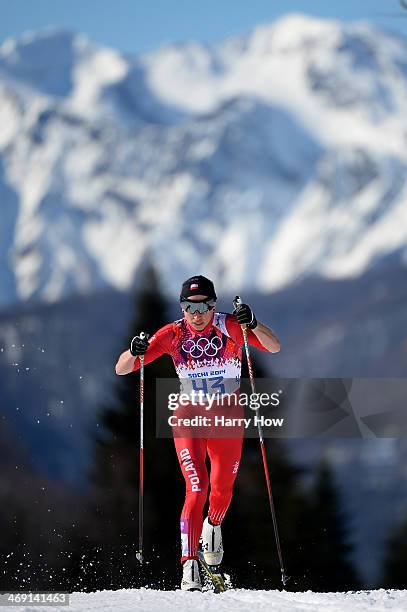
216, 578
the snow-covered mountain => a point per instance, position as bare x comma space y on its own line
261, 161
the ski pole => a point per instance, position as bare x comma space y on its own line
139, 553
284, 578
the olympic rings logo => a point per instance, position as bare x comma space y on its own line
203, 345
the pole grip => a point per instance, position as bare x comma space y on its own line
237, 301
141, 357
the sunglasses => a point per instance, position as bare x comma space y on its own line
193, 307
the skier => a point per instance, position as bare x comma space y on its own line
199, 342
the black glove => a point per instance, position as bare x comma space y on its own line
138, 345
245, 316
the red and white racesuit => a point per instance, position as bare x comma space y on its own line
207, 357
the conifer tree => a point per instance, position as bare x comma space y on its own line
116, 462
395, 562
326, 538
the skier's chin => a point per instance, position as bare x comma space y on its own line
198, 326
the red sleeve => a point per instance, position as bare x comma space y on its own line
159, 344
235, 332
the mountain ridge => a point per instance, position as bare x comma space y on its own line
291, 138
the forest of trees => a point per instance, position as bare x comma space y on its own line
54, 538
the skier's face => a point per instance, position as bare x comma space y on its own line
198, 320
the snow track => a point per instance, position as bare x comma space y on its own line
146, 600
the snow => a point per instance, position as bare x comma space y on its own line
274, 63
290, 138
102, 68
146, 600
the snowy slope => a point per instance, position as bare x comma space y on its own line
271, 157
145, 600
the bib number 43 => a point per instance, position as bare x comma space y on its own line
209, 386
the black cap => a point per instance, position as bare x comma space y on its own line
197, 285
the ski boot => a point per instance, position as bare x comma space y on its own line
210, 556
191, 580
211, 541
